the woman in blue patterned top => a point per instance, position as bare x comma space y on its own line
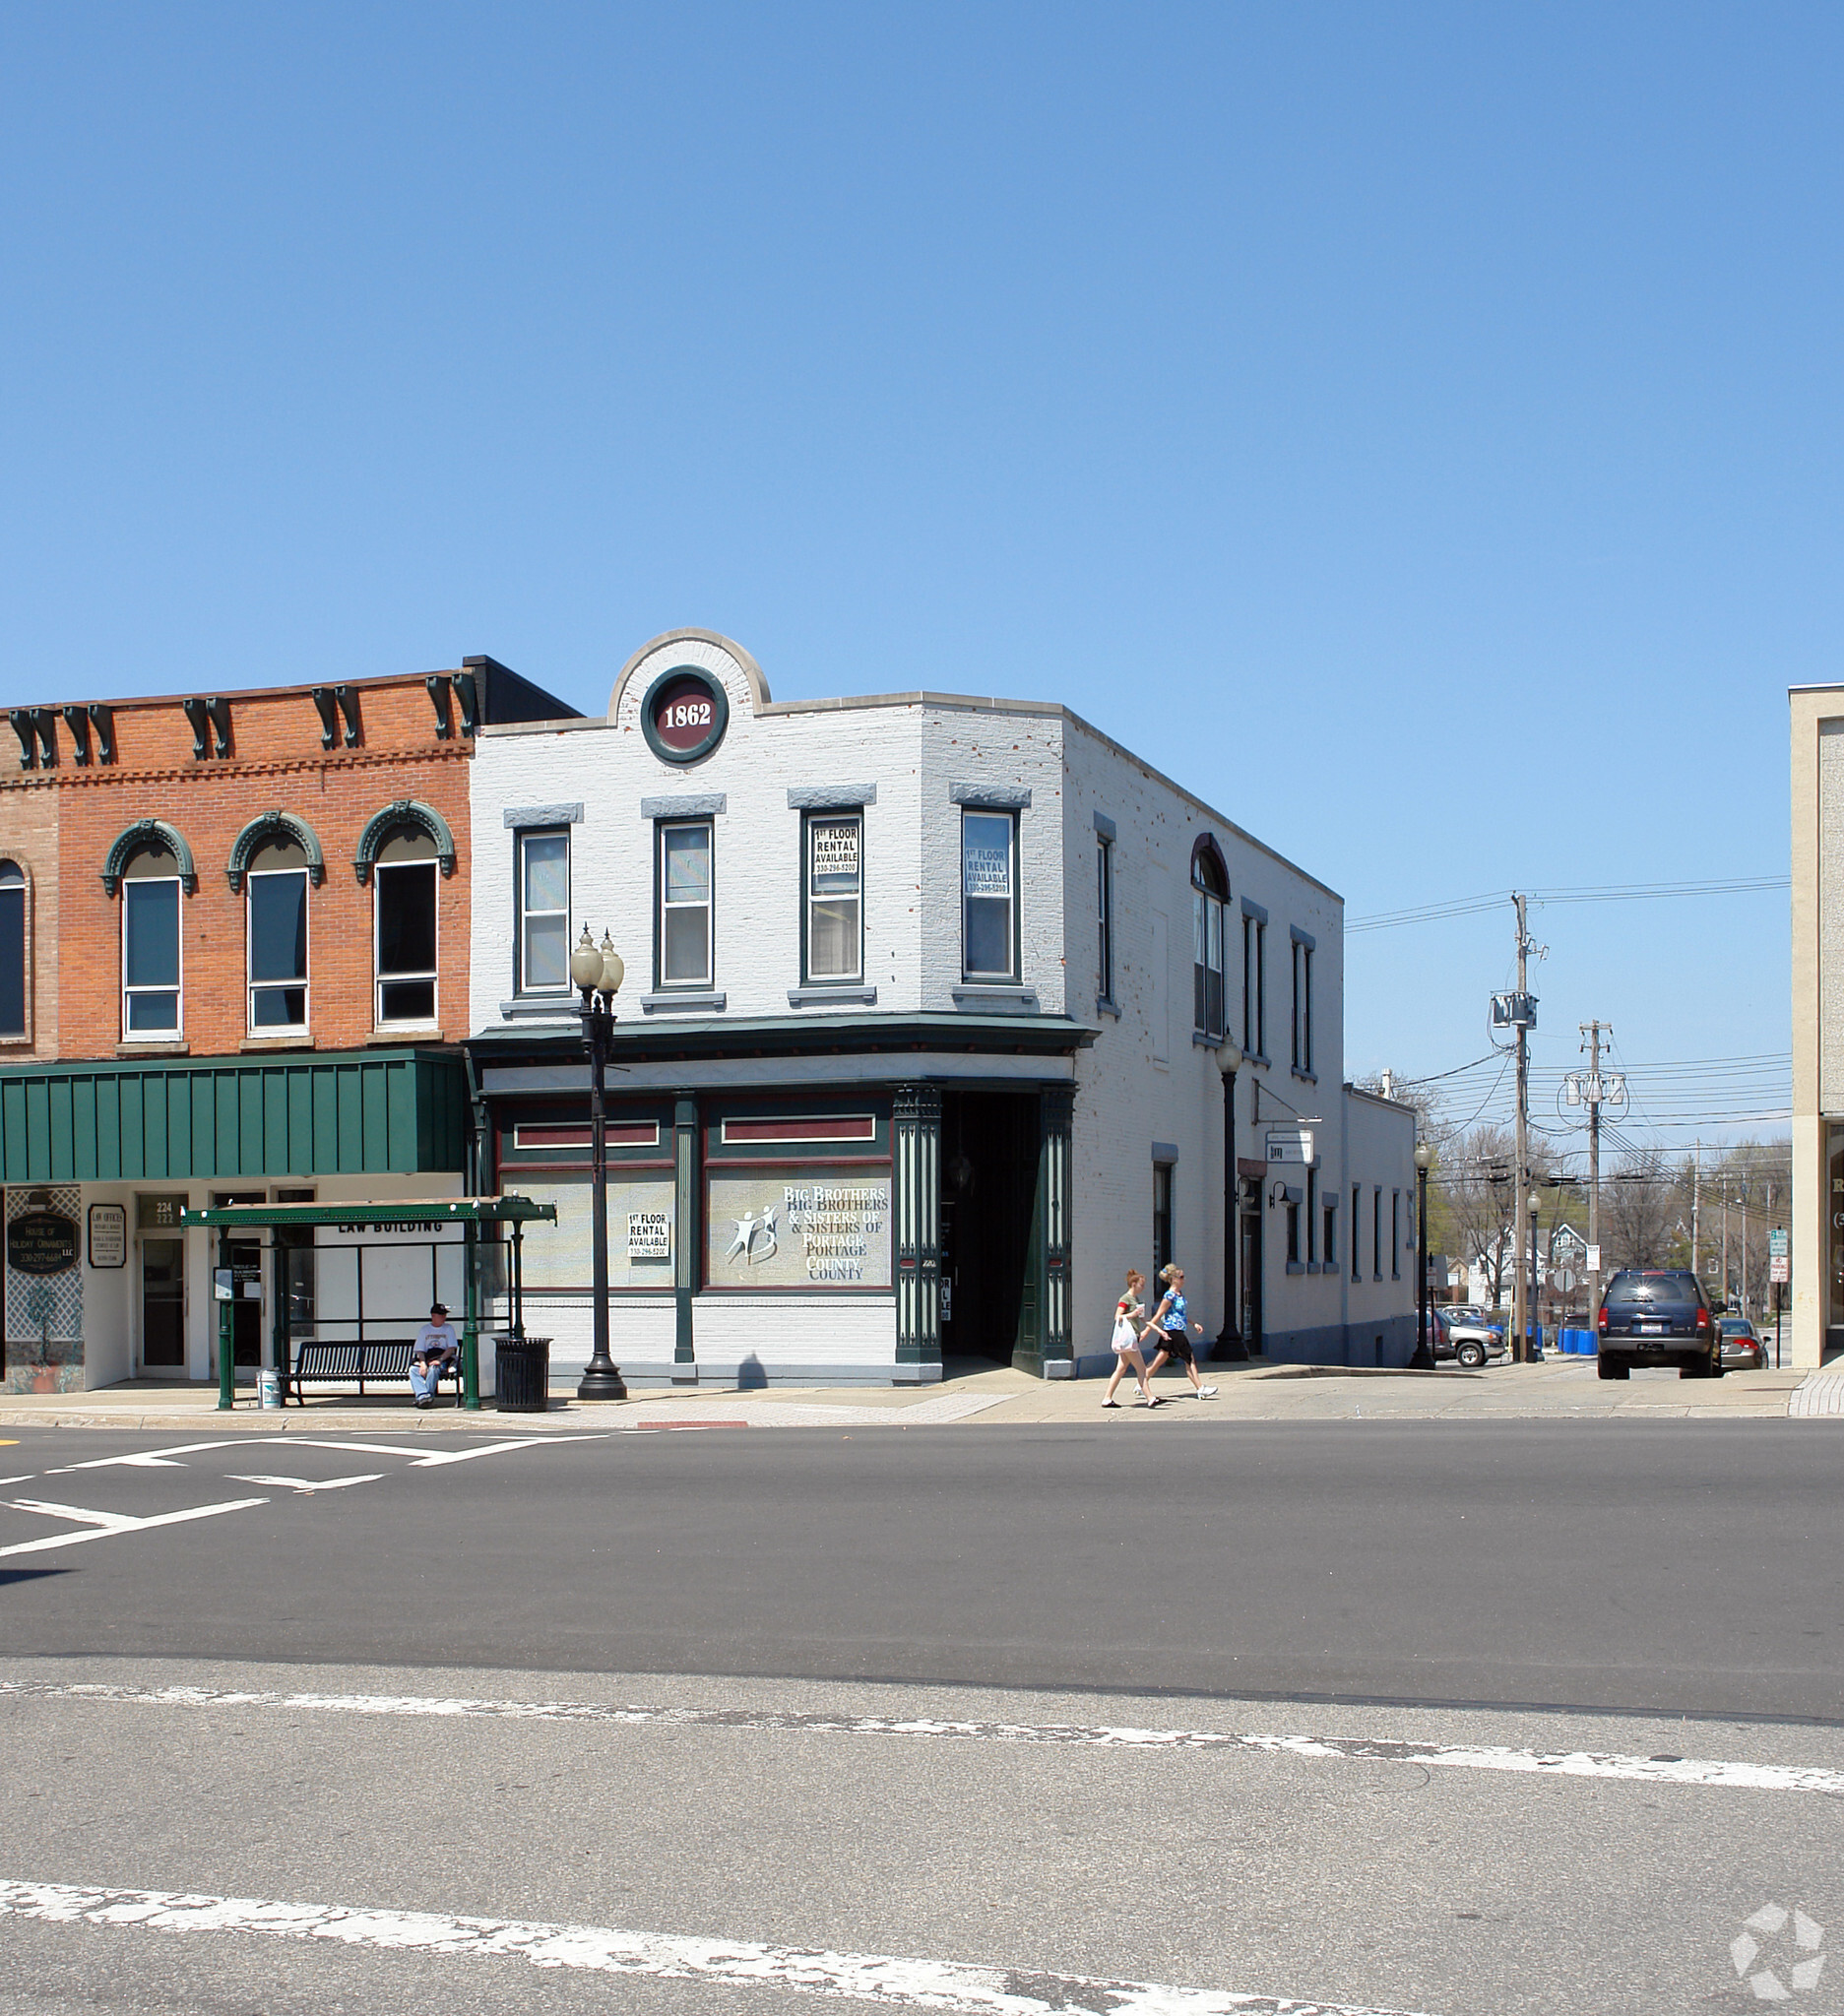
1170, 1324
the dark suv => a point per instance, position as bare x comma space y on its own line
1659, 1318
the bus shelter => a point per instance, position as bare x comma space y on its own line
375, 1272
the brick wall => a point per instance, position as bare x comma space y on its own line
275, 762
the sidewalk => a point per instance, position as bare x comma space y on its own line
1558, 1389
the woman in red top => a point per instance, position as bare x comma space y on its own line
1126, 1340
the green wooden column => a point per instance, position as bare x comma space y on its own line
688, 1248
916, 1210
1055, 1169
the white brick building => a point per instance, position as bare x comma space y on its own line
916, 1055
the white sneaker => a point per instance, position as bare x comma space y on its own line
1206, 1393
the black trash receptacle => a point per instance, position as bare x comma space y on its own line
522, 1374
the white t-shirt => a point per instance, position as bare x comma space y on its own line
435, 1340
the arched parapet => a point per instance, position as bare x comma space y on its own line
274, 828
1210, 872
411, 812
136, 838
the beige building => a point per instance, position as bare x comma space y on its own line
1818, 1293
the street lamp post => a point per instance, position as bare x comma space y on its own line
1423, 1359
597, 975
1230, 1343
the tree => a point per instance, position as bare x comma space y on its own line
1640, 1213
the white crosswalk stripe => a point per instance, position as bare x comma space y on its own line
887, 1980
1710, 1773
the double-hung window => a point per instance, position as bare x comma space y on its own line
1254, 986
1303, 1004
151, 962
543, 892
12, 949
684, 927
988, 900
835, 895
405, 928
1105, 916
1210, 890
275, 940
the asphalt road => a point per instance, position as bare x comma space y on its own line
696, 1662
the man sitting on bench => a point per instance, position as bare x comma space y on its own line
436, 1348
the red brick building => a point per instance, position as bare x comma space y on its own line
233, 962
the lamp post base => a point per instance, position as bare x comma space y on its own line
1423, 1359
1229, 1346
602, 1382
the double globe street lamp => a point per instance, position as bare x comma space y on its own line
1231, 1343
1423, 1359
597, 973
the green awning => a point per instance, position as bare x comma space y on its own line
430, 1211
379, 1113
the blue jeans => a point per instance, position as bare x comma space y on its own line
425, 1372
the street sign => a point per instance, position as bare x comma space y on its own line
1594, 1259
1777, 1249
1779, 1267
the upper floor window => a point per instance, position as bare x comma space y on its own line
12, 949
1254, 986
1105, 916
275, 893
544, 926
685, 904
1303, 1004
835, 895
405, 927
988, 902
1357, 1225
1210, 890
151, 978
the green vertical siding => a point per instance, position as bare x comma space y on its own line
396, 1112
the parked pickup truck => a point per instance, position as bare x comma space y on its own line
1657, 1318
1463, 1334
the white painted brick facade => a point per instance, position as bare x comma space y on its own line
1135, 1085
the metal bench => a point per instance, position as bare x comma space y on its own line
376, 1359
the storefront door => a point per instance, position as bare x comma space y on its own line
246, 1275
163, 1305
990, 1153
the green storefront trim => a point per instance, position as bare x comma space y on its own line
370, 1113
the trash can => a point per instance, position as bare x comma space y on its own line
268, 1388
522, 1374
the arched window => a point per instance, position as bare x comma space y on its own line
404, 908
276, 899
1210, 891
14, 989
152, 975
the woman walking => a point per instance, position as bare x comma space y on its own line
1127, 1310
1170, 1321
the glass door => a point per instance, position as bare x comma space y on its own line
163, 1305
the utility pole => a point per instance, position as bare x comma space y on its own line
1697, 1211
1520, 1312
1593, 1093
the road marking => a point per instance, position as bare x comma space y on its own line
1658, 1770
884, 1979
115, 1525
308, 1484
152, 1459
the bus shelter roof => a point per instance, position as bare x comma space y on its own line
426, 1211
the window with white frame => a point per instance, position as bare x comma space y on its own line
13, 970
1210, 890
151, 978
988, 902
405, 928
543, 900
685, 901
276, 939
835, 895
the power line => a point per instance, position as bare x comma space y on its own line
1631, 892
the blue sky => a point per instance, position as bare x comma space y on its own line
1417, 430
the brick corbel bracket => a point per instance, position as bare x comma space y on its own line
284, 828
411, 812
146, 833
